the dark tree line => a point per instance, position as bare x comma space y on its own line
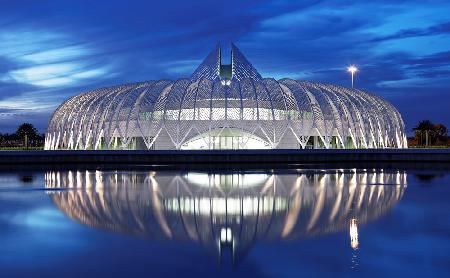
25, 136
430, 134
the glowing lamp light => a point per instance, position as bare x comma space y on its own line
352, 69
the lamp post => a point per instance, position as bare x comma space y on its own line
352, 69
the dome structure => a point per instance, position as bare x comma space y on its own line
225, 107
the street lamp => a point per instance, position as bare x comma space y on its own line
352, 69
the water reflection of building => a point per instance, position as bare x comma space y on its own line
226, 210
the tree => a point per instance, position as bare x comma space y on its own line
27, 132
423, 130
440, 132
27, 129
428, 134
26, 136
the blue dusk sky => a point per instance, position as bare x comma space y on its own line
51, 50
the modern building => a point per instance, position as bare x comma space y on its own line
225, 107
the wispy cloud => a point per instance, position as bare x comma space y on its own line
183, 68
43, 58
52, 75
439, 29
58, 54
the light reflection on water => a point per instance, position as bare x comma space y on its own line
228, 213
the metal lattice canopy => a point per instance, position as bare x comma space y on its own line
225, 107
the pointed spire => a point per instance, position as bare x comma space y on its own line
212, 66
241, 67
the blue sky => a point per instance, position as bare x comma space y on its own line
50, 50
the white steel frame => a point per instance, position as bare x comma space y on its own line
167, 114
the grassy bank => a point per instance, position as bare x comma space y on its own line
21, 149
429, 147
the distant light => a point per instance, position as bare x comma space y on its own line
226, 82
352, 69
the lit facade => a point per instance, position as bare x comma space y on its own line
225, 107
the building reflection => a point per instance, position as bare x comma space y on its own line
227, 211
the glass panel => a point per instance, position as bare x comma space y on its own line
218, 113
233, 113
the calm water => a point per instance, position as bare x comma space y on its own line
343, 222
